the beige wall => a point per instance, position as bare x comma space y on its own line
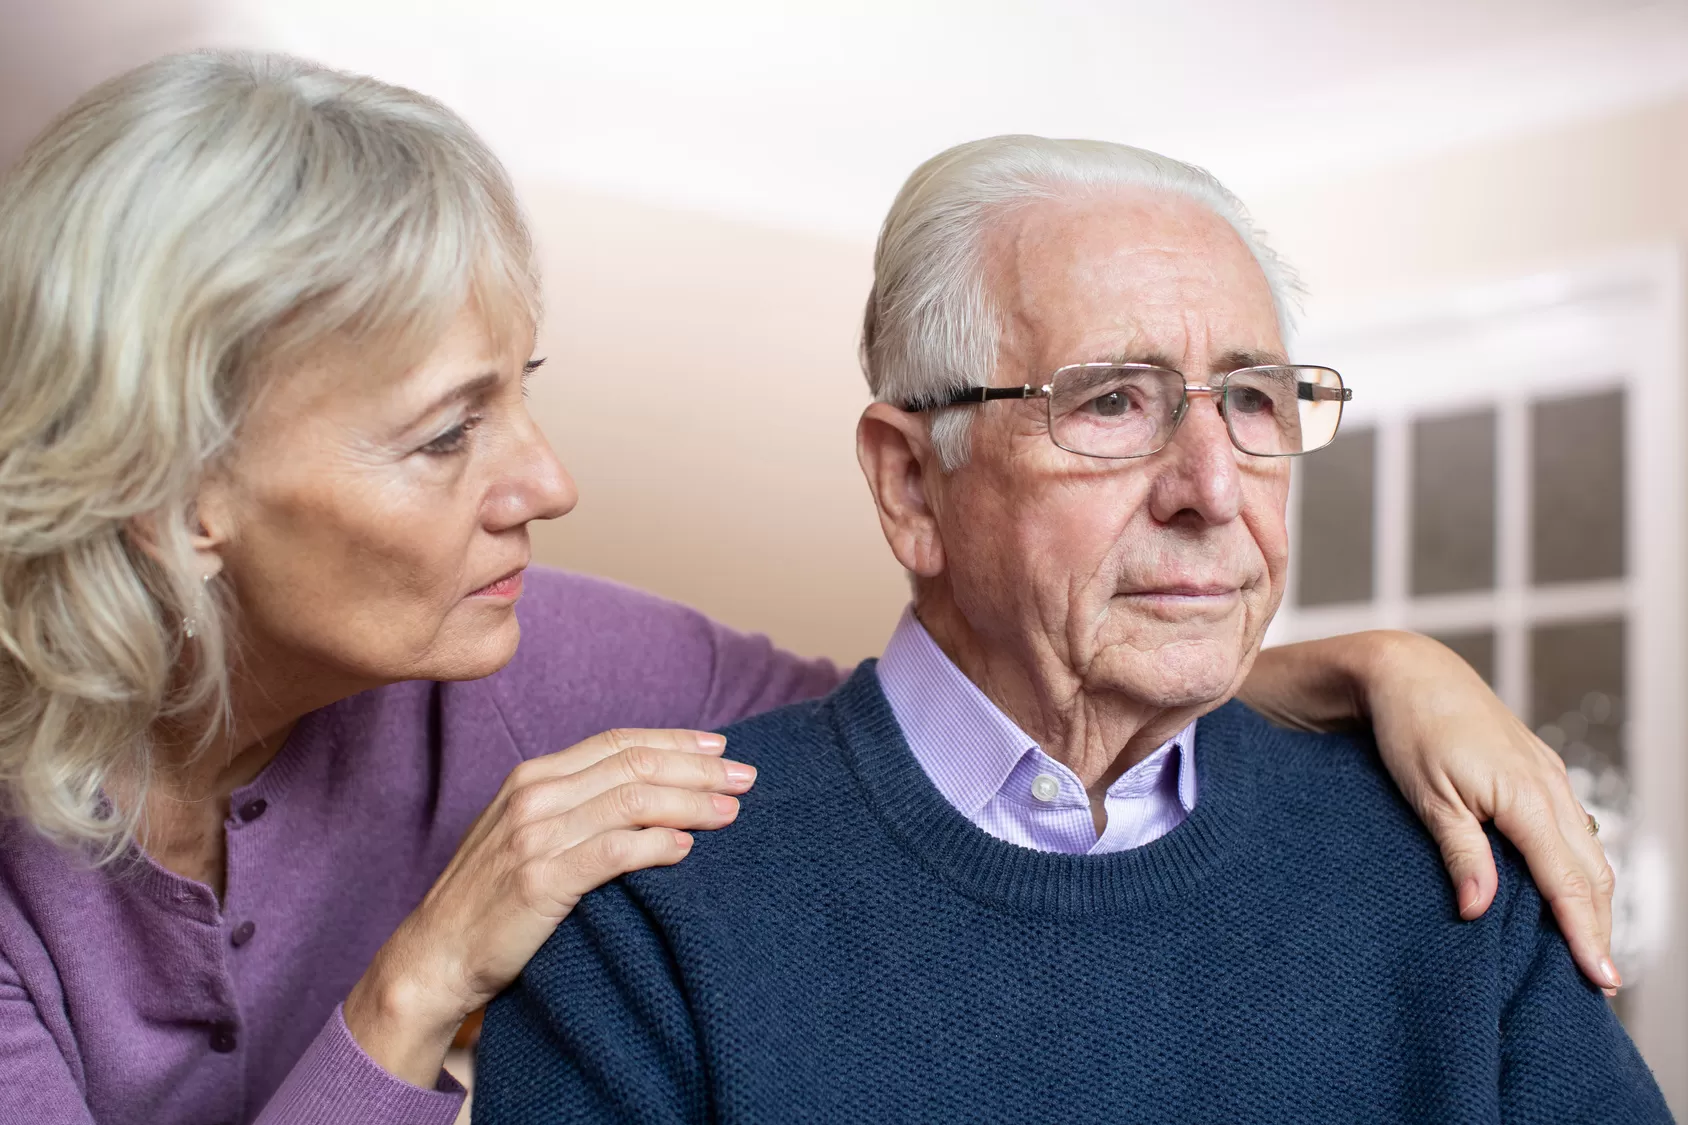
53, 50
1509, 208
703, 384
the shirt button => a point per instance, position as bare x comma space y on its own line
222, 1038
1046, 787
253, 809
243, 934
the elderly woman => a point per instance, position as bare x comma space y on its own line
274, 824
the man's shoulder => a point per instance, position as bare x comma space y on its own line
1341, 772
1328, 800
797, 752
806, 803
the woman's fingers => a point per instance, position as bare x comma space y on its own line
571, 874
637, 766
1579, 897
634, 805
1588, 857
1467, 856
583, 755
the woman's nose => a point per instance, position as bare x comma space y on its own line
534, 484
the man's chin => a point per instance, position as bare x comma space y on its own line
1177, 675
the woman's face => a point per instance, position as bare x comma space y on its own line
373, 527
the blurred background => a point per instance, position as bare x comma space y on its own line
1486, 198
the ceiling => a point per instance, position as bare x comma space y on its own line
811, 114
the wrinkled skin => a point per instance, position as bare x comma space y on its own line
1104, 604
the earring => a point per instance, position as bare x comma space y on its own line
190, 627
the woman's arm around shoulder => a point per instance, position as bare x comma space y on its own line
1460, 758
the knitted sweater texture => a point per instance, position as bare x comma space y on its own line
854, 950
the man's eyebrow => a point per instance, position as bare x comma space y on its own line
1233, 361
469, 389
1153, 359
1230, 361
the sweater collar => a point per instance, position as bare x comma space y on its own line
923, 821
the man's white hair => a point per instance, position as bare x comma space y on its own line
931, 327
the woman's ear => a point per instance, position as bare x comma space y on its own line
213, 524
896, 455
208, 531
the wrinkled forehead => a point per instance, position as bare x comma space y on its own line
1129, 274
379, 376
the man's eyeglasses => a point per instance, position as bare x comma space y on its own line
1121, 410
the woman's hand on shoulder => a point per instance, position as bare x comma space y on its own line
1460, 757
560, 826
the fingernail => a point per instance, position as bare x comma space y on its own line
1610, 972
740, 774
683, 839
1609, 992
724, 805
711, 742
1467, 897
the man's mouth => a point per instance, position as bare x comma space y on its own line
1205, 591
1183, 601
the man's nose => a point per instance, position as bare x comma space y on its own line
532, 483
1198, 477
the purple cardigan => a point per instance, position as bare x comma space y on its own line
129, 995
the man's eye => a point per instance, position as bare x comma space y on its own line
453, 440
1111, 405
1249, 400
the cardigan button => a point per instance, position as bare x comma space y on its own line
253, 809
243, 934
223, 1039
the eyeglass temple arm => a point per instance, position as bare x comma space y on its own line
978, 394
1311, 392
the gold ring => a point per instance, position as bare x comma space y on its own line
1593, 825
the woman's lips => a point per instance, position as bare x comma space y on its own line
510, 586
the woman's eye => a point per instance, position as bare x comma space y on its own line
528, 369
454, 439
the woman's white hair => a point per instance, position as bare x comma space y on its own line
931, 327
179, 233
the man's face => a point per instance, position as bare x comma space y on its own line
1155, 577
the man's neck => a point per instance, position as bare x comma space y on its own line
1097, 735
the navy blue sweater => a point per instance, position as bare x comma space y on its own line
854, 950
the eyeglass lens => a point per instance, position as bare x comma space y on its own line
1103, 410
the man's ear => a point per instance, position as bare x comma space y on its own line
896, 455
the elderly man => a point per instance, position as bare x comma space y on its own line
1032, 866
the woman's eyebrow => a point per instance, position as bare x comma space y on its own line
469, 389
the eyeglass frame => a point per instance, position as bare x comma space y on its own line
975, 396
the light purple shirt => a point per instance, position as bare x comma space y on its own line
995, 775
133, 996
